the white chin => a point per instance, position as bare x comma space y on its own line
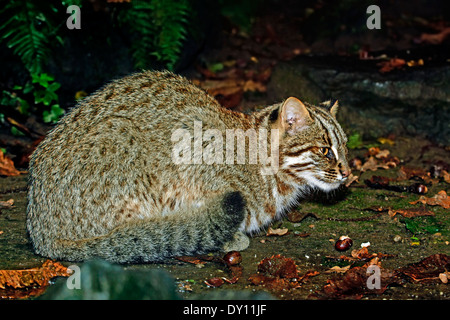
323, 185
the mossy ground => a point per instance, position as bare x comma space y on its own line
330, 218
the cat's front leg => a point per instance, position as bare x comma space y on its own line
239, 242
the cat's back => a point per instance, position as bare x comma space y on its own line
146, 98
143, 109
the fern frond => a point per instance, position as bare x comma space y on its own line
162, 27
26, 33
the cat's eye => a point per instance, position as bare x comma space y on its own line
324, 151
327, 152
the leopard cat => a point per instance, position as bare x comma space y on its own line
142, 170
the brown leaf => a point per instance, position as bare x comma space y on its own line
428, 269
446, 176
435, 38
214, 282
7, 166
351, 179
190, 259
278, 266
30, 279
297, 216
353, 284
387, 66
406, 173
8, 204
411, 213
440, 199
277, 232
373, 165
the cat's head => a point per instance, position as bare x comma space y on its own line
312, 144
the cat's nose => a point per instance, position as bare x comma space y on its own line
346, 172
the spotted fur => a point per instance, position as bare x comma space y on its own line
103, 183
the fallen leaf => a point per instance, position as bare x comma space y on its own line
7, 166
351, 178
444, 277
435, 38
190, 259
386, 141
297, 216
353, 284
446, 176
406, 173
35, 280
373, 165
338, 269
382, 154
440, 199
214, 282
277, 232
387, 66
411, 213
8, 204
414, 63
428, 269
279, 273
278, 266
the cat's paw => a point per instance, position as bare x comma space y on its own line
239, 242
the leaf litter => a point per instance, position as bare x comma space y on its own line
20, 284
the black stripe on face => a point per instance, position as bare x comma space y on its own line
335, 133
274, 115
300, 165
299, 152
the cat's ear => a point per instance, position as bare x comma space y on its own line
294, 116
332, 106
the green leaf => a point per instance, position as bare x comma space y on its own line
16, 132
354, 141
54, 86
420, 225
54, 114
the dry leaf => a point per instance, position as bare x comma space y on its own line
192, 260
413, 63
435, 38
278, 266
34, 280
338, 269
428, 269
386, 141
351, 178
7, 204
446, 176
406, 173
444, 277
279, 273
387, 66
440, 199
277, 232
7, 166
373, 165
411, 213
382, 154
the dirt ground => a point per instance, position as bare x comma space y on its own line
309, 242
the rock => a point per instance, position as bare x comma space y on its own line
413, 101
100, 280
